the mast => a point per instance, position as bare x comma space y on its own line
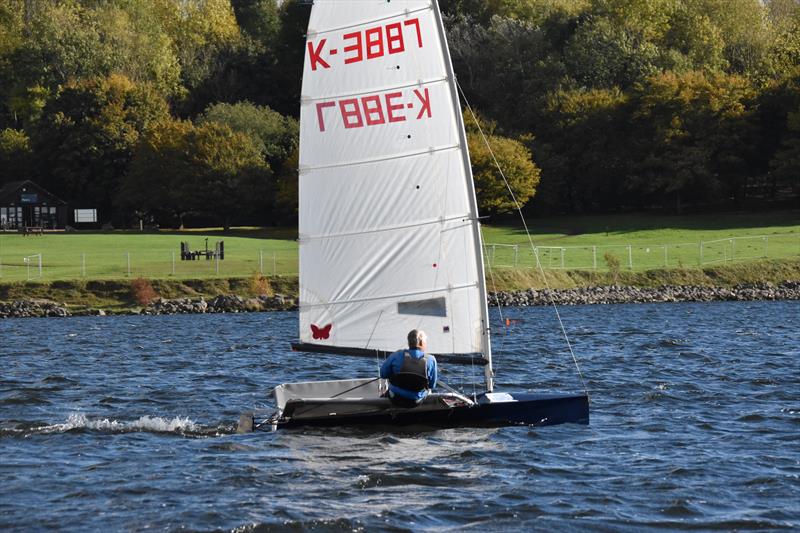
476, 225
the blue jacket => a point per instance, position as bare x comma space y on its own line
394, 363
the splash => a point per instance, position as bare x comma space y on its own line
145, 423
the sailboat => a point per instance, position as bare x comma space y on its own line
389, 231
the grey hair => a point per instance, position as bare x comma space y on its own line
416, 337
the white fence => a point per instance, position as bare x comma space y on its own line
643, 256
149, 264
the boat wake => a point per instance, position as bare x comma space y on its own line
79, 422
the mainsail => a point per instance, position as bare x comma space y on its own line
389, 232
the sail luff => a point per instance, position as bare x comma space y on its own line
485, 334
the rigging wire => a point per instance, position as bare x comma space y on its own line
371, 333
497, 304
528, 234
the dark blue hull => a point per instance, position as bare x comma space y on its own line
524, 409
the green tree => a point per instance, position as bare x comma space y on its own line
785, 164
516, 164
160, 163
583, 150
693, 137
85, 139
230, 177
274, 135
15, 155
601, 55
208, 169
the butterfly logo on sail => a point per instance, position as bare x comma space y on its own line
321, 333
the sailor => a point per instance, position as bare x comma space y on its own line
411, 373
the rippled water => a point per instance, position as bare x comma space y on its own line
127, 423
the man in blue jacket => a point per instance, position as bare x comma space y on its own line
411, 373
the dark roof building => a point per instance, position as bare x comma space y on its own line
24, 204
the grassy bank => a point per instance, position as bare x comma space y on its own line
637, 242
117, 295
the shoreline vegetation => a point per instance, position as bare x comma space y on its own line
756, 280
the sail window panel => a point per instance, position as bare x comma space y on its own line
358, 49
383, 195
377, 325
374, 266
359, 129
429, 307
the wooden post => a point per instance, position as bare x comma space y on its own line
701, 253
594, 257
630, 258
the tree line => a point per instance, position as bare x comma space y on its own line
176, 111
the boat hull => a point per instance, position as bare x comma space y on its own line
516, 409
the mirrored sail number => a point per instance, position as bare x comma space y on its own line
368, 44
375, 109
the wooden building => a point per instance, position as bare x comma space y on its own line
24, 204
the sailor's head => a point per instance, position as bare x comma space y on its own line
417, 339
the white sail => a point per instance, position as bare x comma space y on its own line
389, 237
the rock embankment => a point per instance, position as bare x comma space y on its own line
615, 294
219, 304
32, 308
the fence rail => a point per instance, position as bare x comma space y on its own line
166, 263
151, 264
644, 256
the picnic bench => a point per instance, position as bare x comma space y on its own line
31, 230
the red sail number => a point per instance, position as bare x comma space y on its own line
371, 43
376, 109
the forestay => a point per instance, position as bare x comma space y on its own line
389, 237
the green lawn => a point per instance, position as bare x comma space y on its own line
645, 241
151, 255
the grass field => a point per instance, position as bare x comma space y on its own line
638, 242
645, 242
152, 255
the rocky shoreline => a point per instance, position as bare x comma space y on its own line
616, 294
613, 294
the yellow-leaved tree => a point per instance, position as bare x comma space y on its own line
516, 163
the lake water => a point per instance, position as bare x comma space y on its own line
128, 423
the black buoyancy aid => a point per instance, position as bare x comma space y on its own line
413, 375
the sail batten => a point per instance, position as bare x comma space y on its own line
394, 296
463, 218
430, 150
387, 215
419, 83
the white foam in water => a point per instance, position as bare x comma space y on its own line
144, 423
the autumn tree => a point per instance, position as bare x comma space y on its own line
517, 171
15, 155
208, 169
86, 136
